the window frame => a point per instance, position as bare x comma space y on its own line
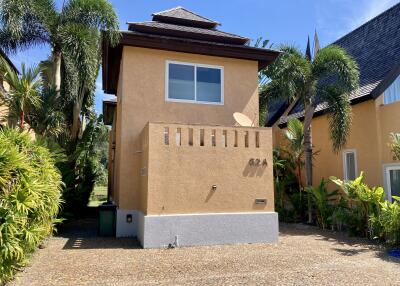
344, 158
386, 177
195, 65
396, 82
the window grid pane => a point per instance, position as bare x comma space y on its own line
394, 182
392, 93
208, 84
181, 82
350, 166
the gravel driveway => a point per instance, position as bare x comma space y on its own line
303, 256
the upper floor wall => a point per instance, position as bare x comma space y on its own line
147, 92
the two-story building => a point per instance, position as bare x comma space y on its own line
181, 172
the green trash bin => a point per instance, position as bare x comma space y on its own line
107, 219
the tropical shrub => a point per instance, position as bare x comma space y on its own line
395, 145
91, 159
364, 203
30, 191
386, 225
324, 203
289, 201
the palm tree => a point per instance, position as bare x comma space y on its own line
294, 135
329, 79
24, 90
74, 36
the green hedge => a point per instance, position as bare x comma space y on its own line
30, 197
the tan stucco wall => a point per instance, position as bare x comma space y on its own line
363, 138
180, 177
369, 136
141, 99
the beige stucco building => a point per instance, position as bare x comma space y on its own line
375, 110
180, 171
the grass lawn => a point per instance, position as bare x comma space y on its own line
98, 196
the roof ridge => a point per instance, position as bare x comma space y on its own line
187, 10
366, 23
168, 10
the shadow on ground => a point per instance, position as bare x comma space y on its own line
337, 239
83, 234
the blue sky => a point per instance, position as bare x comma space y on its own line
284, 21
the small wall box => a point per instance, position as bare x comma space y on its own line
261, 201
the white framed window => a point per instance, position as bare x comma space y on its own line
392, 93
391, 174
194, 83
350, 164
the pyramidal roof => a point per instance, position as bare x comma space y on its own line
182, 23
180, 15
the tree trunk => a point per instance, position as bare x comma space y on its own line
299, 181
57, 69
308, 153
22, 120
76, 113
76, 119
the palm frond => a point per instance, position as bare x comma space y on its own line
288, 74
96, 14
339, 76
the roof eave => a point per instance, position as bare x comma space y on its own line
112, 56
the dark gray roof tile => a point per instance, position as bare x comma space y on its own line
186, 32
182, 15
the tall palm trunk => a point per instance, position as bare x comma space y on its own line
57, 69
76, 113
76, 121
308, 153
22, 120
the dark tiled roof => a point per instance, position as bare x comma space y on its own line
275, 109
180, 15
179, 30
180, 22
187, 32
376, 47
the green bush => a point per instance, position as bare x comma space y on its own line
386, 225
323, 201
363, 204
30, 191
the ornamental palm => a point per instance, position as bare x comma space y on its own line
74, 36
328, 79
295, 137
24, 90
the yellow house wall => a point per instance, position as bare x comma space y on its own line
363, 138
141, 99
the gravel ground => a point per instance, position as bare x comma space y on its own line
303, 256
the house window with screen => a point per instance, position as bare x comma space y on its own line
194, 83
392, 177
349, 165
392, 93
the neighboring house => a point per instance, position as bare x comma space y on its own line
180, 171
4, 114
375, 107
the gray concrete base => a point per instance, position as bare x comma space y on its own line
125, 229
208, 229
